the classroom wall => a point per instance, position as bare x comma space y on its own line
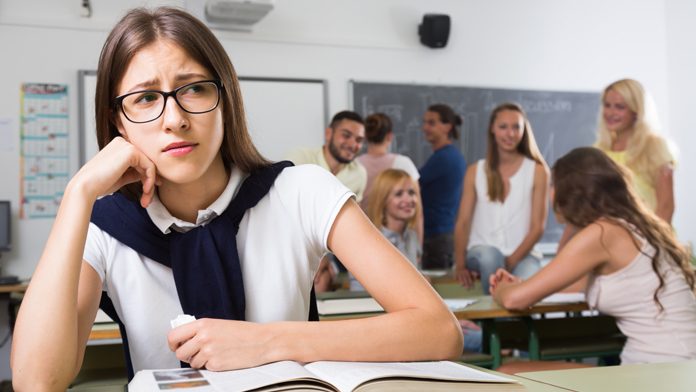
535, 44
681, 63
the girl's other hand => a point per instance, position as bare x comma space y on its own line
218, 345
464, 276
118, 164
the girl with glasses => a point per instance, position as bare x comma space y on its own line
196, 221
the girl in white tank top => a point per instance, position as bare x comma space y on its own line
503, 207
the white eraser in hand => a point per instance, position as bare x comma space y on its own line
181, 320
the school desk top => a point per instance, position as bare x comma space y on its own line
672, 377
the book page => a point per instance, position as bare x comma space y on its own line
260, 376
346, 376
170, 379
229, 381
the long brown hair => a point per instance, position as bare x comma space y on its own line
381, 188
527, 147
141, 27
590, 186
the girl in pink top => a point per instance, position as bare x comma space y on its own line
628, 259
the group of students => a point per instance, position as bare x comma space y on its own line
179, 213
616, 200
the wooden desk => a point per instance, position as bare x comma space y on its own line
529, 384
13, 288
102, 333
672, 377
486, 308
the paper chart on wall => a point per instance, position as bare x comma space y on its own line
44, 148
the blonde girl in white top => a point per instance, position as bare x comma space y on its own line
503, 209
637, 270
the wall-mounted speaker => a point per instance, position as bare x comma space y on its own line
434, 30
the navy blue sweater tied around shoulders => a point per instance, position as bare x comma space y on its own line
204, 260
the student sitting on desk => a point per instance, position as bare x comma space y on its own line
636, 269
503, 209
202, 224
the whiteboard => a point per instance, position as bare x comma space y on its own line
283, 114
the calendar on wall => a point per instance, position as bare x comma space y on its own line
44, 151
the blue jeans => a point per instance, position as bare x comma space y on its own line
486, 259
472, 340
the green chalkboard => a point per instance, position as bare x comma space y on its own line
561, 120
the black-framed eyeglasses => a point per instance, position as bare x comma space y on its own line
148, 105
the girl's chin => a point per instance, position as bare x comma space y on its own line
173, 179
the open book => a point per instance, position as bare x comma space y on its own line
326, 376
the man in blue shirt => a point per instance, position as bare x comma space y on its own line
441, 181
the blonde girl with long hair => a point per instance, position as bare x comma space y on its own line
394, 210
628, 133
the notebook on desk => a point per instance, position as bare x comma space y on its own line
330, 307
564, 298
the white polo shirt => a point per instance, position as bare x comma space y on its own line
280, 242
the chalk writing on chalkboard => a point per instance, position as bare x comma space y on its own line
561, 120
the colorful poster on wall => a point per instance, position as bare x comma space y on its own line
44, 151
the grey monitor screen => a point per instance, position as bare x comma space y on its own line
5, 225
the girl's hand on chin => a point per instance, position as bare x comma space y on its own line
119, 163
